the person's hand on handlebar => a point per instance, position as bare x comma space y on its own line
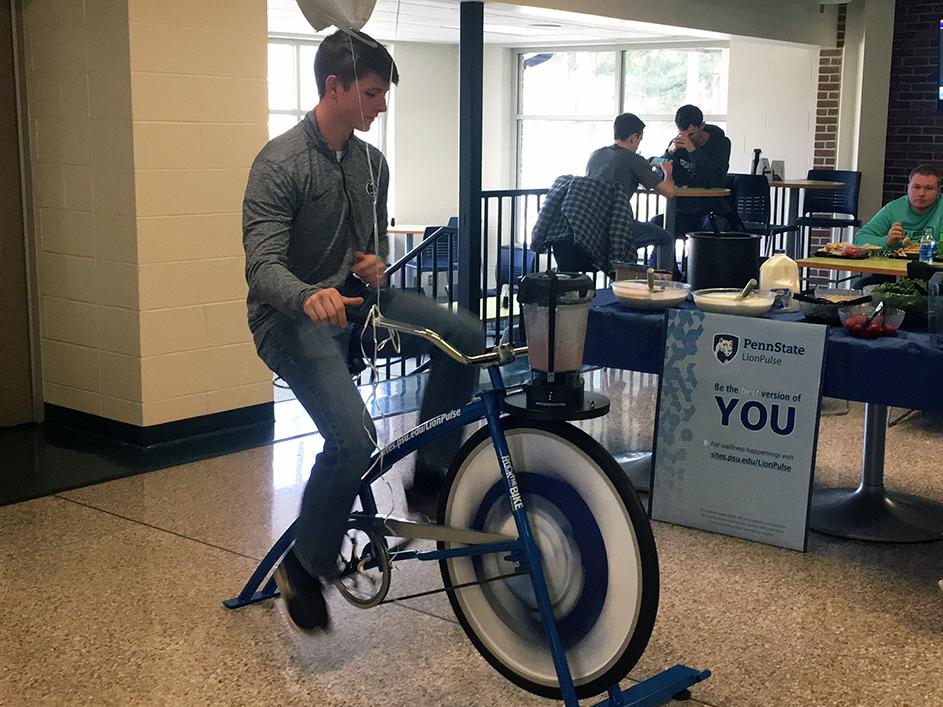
370, 268
327, 307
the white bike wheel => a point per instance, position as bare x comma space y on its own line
598, 553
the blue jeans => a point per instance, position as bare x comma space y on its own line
648, 234
312, 359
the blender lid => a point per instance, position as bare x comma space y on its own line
535, 287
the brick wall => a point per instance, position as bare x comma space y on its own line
826, 126
914, 122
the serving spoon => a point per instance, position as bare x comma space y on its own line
650, 275
877, 311
747, 289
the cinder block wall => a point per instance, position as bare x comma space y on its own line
199, 115
79, 97
144, 118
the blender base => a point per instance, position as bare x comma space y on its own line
594, 405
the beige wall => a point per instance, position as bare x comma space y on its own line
200, 110
422, 142
423, 139
78, 92
498, 128
144, 119
771, 104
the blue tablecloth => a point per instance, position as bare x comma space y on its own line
902, 370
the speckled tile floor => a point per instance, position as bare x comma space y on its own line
110, 594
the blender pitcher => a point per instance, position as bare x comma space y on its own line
556, 307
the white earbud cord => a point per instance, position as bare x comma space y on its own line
391, 338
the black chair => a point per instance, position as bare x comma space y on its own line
438, 258
505, 272
571, 257
730, 182
821, 206
513, 263
922, 271
751, 201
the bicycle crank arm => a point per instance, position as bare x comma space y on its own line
399, 528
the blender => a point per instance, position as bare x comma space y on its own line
556, 307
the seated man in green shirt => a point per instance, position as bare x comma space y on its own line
903, 220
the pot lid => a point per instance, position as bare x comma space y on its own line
537, 287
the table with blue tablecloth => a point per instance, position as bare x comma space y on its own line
890, 371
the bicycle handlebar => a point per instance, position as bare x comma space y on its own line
500, 355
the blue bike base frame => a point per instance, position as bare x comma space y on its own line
524, 550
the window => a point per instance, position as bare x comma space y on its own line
292, 91
568, 99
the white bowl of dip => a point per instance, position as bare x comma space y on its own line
636, 295
724, 300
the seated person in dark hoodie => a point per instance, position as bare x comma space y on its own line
700, 155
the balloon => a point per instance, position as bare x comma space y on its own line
343, 14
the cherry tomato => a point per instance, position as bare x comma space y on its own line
854, 321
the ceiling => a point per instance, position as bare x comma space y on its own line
437, 21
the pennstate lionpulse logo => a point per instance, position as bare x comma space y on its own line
726, 347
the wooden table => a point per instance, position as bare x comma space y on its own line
671, 217
792, 215
406, 229
409, 231
491, 310
874, 265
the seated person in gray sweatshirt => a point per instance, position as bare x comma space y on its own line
620, 162
314, 232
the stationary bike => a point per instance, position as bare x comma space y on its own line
546, 554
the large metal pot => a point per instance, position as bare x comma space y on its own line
723, 259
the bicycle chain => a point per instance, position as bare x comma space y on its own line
519, 573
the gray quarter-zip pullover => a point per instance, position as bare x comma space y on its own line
304, 214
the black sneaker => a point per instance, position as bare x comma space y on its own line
303, 595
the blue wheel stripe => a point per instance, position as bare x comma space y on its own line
578, 623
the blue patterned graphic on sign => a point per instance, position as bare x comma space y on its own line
679, 381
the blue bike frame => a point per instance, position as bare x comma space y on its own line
524, 550
486, 406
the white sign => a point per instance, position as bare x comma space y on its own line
737, 426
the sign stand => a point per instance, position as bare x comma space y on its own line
737, 426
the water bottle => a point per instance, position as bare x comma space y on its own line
935, 310
927, 245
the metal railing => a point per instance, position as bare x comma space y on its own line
418, 268
508, 217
